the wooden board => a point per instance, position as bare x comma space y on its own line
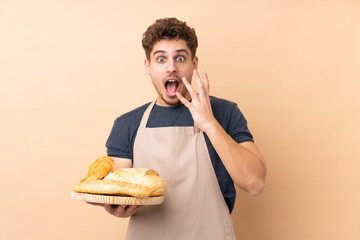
118, 200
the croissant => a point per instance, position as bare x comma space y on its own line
99, 169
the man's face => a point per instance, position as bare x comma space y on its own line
170, 60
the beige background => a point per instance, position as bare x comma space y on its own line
69, 68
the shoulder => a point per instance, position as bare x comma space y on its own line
221, 102
222, 106
227, 113
133, 116
119, 142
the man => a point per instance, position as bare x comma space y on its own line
199, 144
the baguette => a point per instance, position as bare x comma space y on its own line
113, 187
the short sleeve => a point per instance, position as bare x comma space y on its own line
119, 143
238, 128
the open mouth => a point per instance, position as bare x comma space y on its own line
172, 85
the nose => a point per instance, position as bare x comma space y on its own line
171, 68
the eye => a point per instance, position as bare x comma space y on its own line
180, 59
160, 59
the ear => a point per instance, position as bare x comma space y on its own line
196, 62
147, 66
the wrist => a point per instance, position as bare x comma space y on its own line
212, 127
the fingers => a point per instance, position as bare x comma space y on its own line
119, 210
203, 88
206, 85
191, 90
122, 210
130, 210
183, 100
199, 84
203, 85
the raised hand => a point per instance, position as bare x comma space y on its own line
199, 107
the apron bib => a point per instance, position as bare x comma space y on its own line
193, 207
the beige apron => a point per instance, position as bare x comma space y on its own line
194, 207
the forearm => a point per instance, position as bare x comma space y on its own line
245, 166
121, 163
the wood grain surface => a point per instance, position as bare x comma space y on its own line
120, 200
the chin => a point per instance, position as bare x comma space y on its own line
171, 101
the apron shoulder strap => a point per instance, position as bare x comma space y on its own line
146, 115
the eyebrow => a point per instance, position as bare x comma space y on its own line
178, 51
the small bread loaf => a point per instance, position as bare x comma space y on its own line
146, 178
136, 182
